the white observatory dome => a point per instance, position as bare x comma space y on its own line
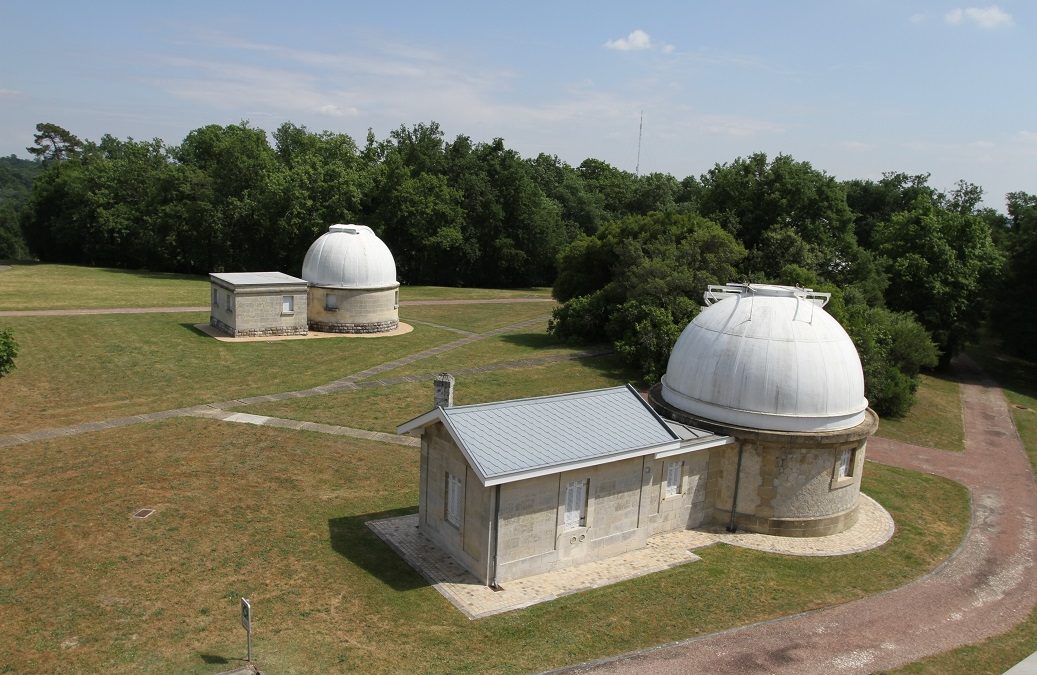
349, 256
767, 357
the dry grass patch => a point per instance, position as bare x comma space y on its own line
935, 420
85, 368
385, 408
278, 516
477, 318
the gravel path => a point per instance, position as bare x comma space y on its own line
988, 586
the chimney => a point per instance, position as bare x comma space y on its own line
444, 388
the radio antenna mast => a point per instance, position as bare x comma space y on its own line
640, 128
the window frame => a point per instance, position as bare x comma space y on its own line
287, 304
453, 500
673, 488
844, 468
331, 306
574, 509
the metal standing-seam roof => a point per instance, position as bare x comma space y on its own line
524, 438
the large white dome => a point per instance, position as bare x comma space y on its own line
767, 357
349, 256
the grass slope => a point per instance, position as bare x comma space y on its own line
385, 408
72, 287
84, 368
45, 286
277, 516
935, 419
477, 318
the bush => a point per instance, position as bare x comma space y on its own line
8, 350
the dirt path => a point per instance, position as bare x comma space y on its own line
987, 587
170, 310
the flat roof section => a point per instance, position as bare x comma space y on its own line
257, 279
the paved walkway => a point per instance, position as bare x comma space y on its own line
988, 586
206, 308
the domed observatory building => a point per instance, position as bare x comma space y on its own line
352, 278
768, 366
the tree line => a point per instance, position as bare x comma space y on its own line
914, 271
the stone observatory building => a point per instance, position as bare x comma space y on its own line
352, 278
759, 424
769, 367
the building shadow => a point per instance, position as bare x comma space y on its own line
352, 539
192, 327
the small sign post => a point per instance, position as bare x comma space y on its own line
246, 623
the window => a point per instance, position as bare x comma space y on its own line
215, 298
674, 471
844, 466
230, 302
287, 304
575, 505
453, 500
331, 302
396, 300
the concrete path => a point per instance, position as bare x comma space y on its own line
171, 310
988, 586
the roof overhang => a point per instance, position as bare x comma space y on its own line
668, 448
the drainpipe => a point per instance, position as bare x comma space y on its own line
734, 502
493, 544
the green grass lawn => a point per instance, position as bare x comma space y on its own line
85, 368
448, 293
45, 286
385, 408
71, 287
530, 342
277, 516
477, 318
934, 420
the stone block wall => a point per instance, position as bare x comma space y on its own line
359, 310
532, 537
788, 482
257, 311
469, 542
690, 507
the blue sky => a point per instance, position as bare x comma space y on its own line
855, 88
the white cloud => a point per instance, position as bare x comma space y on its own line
1025, 136
919, 17
9, 93
984, 17
668, 49
636, 40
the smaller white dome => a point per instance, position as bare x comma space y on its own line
767, 357
349, 256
